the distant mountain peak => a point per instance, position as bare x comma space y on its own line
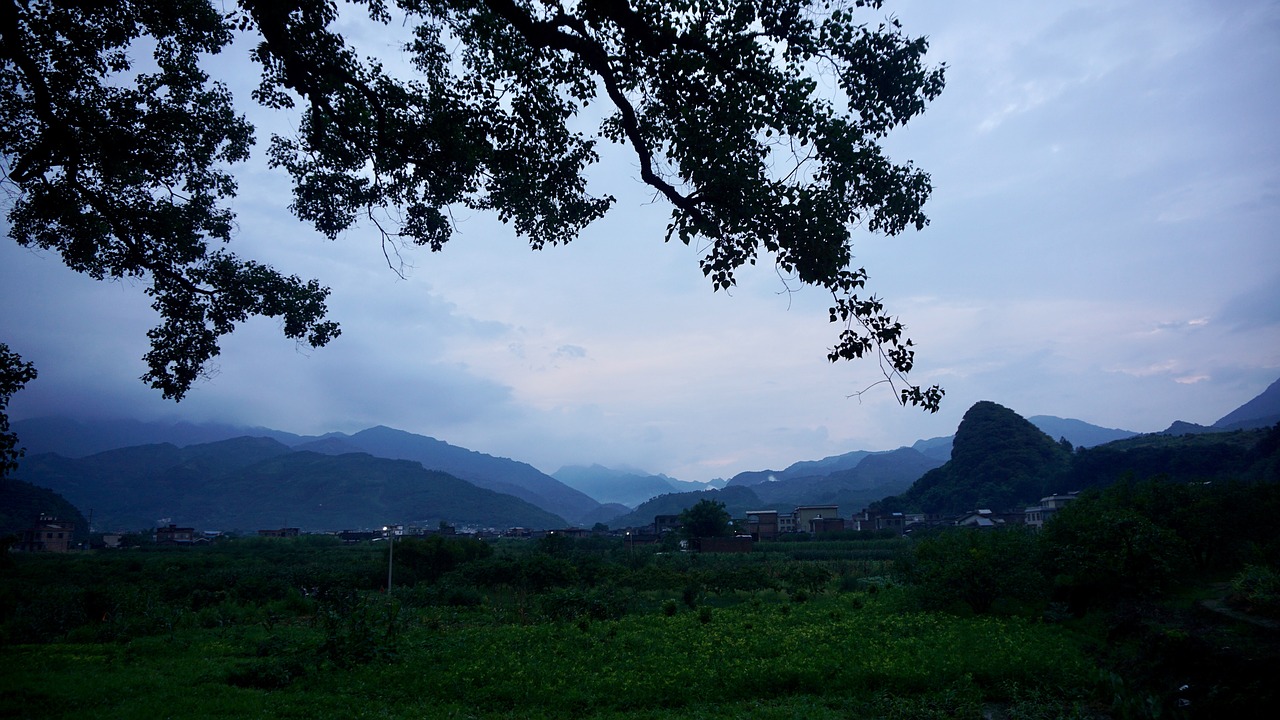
998, 459
1261, 411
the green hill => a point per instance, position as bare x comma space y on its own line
22, 503
1204, 457
999, 460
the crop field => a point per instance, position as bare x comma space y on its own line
1132, 604
303, 628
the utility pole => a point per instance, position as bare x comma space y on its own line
391, 554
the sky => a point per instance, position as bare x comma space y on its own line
1104, 245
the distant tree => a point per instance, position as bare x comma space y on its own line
15, 373
429, 557
759, 121
555, 544
707, 518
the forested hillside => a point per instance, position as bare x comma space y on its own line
1001, 462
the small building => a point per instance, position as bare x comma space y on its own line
786, 523
351, 537
762, 524
665, 523
48, 534
825, 525
979, 519
173, 535
281, 533
805, 515
872, 521
1037, 515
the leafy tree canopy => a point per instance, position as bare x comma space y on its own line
15, 373
707, 518
759, 121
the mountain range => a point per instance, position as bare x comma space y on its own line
250, 484
132, 473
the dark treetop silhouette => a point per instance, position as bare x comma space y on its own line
722, 103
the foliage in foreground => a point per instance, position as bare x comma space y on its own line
301, 629
124, 165
957, 624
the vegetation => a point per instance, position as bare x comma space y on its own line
124, 165
592, 628
15, 373
706, 519
1102, 615
21, 503
250, 484
1000, 461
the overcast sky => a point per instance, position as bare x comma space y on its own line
1104, 245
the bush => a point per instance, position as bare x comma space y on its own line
578, 604
1099, 553
428, 558
975, 569
1256, 589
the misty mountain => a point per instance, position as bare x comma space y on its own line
257, 483
938, 448
614, 486
1078, 432
76, 438
80, 438
737, 500
607, 514
1181, 427
1261, 411
493, 473
825, 466
801, 469
692, 486
875, 476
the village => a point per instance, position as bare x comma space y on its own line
53, 534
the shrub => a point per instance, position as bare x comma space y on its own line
1099, 554
1256, 589
974, 569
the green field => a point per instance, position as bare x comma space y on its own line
301, 629
999, 624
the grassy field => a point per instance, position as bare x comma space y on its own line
304, 628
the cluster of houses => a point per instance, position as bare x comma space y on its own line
814, 519
51, 534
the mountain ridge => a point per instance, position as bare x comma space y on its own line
250, 484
